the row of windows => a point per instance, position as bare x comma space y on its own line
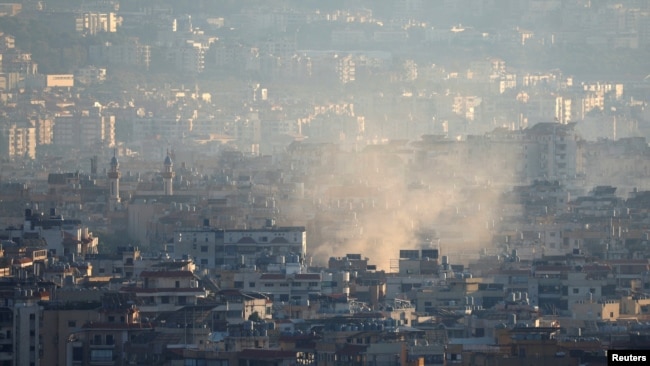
101, 355
239, 284
200, 362
97, 340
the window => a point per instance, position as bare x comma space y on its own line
239, 284
268, 285
296, 284
204, 248
178, 284
77, 354
576, 290
251, 284
101, 355
97, 339
72, 323
312, 284
111, 319
194, 362
164, 299
611, 314
109, 339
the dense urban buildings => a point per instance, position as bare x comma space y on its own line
283, 182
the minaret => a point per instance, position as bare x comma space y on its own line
114, 181
168, 176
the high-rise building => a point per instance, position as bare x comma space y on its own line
114, 181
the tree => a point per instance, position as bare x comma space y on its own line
255, 317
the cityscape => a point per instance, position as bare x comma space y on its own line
324, 183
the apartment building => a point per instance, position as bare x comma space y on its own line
211, 248
130, 53
18, 141
20, 318
84, 131
105, 341
93, 23
165, 290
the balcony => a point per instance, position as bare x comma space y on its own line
6, 352
102, 357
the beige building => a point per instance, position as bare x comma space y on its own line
190, 55
59, 81
84, 131
238, 307
91, 75
602, 310
58, 323
131, 53
93, 23
166, 290
44, 126
10, 9
635, 306
18, 141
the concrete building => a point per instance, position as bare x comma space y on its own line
105, 340
18, 141
159, 291
596, 311
63, 236
131, 53
85, 131
59, 81
61, 321
20, 316
93, 23
211, 248
190, 55
90, 75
